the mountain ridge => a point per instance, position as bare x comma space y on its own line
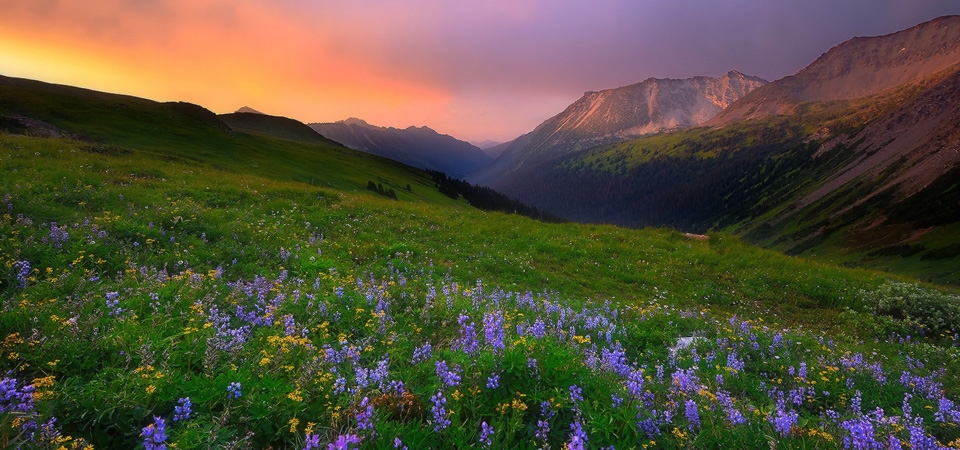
856, 68
611, 115
420, 147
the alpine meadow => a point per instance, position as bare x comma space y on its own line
171, 278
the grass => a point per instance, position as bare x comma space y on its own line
153, 280
175, 283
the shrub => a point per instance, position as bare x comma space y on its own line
932, 311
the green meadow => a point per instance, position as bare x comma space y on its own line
169, 283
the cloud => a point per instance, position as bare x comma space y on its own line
473, 69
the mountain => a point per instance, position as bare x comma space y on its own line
247, 109
857, 68
417, 146
255, 122
485, 144
612, 115
497, 150
855, 158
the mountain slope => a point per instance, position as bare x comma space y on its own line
859, 67
873, 180
613, 115
419, 147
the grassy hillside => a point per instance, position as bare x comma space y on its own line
153, 299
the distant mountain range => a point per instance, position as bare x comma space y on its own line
416, 146
614, 115
856, 156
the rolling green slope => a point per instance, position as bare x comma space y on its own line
179, 130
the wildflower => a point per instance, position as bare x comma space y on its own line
493, 381
422, 353
493, 332
578, 438
486, 432
861, 435
113, 304
693, 415
343, 442
183, 410
23, 270
447, 377
783, 420
439, 412
312, 442
365, 416
233, 390
576, 394
155, 435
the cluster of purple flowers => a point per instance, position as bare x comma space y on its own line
23, 269
58, 235
365, 415
183, 410
440, 420
486, 434
113, 304
447, 376
233, 390
155, 435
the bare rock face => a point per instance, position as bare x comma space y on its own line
857, 68
612, 115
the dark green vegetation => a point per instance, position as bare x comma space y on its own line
168, 258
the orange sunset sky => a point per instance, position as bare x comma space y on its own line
475, 70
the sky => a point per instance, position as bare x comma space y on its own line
473, 69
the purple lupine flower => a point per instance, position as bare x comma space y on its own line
183, 410
365, 416
493, 381
947, 413
23, 271
447, 376
233, 390
920, 440
861, 435
802, 372
49, 431
578, 438
439, 412
576, 394
58, 235
783, 420
543, 425
539, 329
734, 416
155, 435
855, 403
486, 434
398, 444
422, 353
493, 332
311, 442
532, 363
616, 400
113, 304
343, 442
468, 335
693, 415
